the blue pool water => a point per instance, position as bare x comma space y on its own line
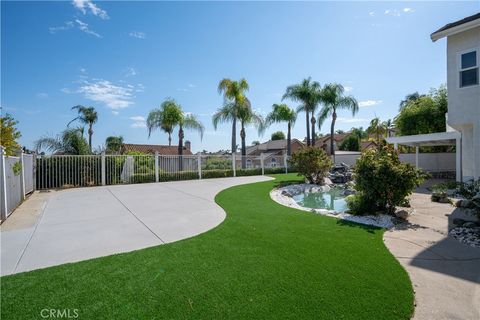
330, 200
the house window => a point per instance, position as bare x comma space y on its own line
249, 163
468, 69
273, 163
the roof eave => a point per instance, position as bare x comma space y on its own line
454, 30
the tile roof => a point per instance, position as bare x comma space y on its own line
152, 148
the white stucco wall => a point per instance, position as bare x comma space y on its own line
464, 103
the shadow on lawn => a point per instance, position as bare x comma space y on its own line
367, 228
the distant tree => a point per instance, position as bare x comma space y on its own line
340, 132
255, 143
359, 133
412, 97
283, 113
248, 116
376, 129
278, 135
87, 116
164, 118
9, 134
71, 141
423, 115
308, 93
113, 144
350, 143
388, 126
333, 98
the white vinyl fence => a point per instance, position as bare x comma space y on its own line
66, 171
17, 180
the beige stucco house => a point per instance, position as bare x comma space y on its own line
463, 85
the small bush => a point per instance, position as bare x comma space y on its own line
382, 182
312, 163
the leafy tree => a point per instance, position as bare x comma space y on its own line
377, 128
382, 182
9, 134
71, 141
359, 133
234, 97
278, 135
333, 98
283, 113
388, 127
350, 143
216, 163
312, 163
113, 144
255, 143
423, 115
308, 93
247, 116
87, 116
339, 132
412, 97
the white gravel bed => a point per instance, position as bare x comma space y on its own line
284, 197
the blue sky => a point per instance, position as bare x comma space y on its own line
125, 58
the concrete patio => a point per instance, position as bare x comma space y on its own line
57, 227
445, 273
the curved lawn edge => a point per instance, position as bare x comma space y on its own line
263, 261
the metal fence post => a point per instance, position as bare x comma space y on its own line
199, 166
104, 176
22, 174
261, 163
234, 165
34, 168
3, 189
285, 162
156, 166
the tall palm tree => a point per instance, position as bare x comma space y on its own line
87, 116
71, 141
308, 93
376, 128
333, 98
164, 118
388, 126
188, 121
283, 113
248, 116
233, 92
113, 144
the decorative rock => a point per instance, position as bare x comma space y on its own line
468, 236
444, 200
469, 224
348, 192
465, 204
458, 222
402, 214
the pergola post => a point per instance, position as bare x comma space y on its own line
458, 159
416, 156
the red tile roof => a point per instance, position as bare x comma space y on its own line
152, 148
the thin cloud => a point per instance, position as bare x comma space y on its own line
84, 27
137, 34
138, 118
42, 95
408, 10
68, 25
138, 122
348, 89
87, 6
80, 25
351, 120
369, 103
130, 72
113, 96
115, 113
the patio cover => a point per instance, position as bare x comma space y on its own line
449, 138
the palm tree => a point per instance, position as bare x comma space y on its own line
164, 118
409, 98
87, 116
308, 94
71, 142
283, 113
248, 116
233, 92
333, 98
376, 128
388, 126
113, 144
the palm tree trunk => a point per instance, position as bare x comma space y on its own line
169, 139
313, 120
90, 134
289, 140
180, 149
244, 147
234, 135
332, 134
308, 127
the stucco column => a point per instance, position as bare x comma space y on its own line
458, 159
416, 156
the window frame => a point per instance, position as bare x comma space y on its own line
460, 70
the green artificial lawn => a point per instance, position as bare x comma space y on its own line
265, 261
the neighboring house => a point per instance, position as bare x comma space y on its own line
273, 153
324, 142
153, 148
463, 118
365, 145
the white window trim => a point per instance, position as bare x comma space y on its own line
459, 67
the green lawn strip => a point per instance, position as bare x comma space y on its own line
265, 261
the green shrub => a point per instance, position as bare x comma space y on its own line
142, 178
212, 163
312, 163
382, 182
